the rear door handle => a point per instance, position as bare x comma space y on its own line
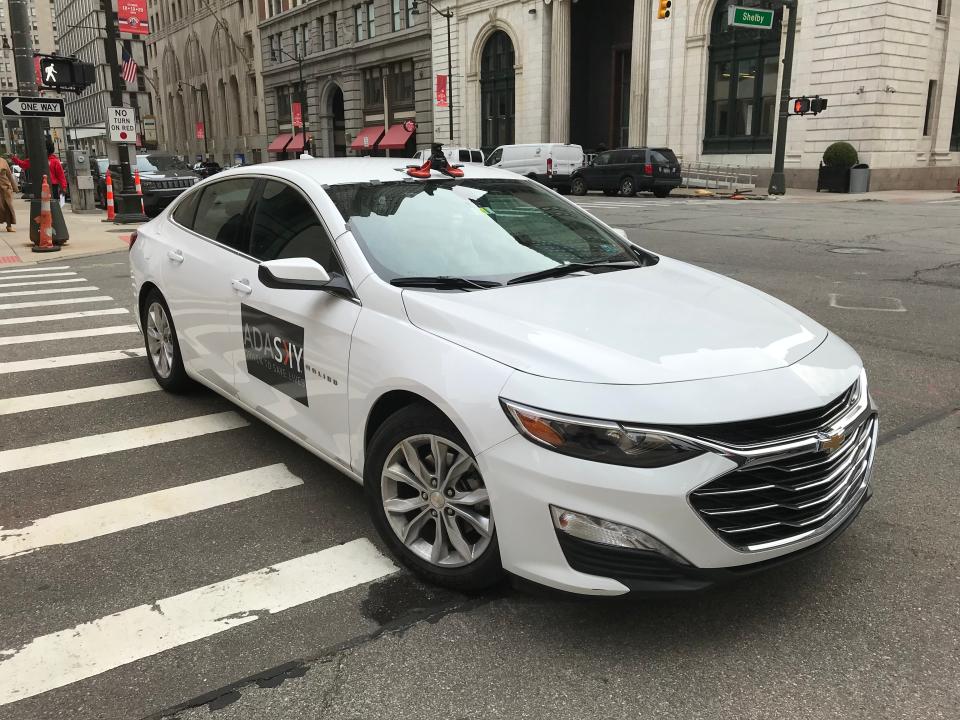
175, 256
242, 286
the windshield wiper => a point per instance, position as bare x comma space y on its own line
569, 268
444, 282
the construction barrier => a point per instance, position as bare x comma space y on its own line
45, 221
111, 213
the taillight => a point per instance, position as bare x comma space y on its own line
549, 167
131, 240
648, 169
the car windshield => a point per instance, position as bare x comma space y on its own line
479, 229
160, 163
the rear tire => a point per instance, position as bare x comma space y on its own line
661, 192
442, 511
163, 348
627, 188
578, 186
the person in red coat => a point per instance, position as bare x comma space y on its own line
57, 179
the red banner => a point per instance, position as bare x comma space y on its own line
201, 131
132, 16
441, 90
297, 112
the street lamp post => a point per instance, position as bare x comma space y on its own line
448, 15
203, 115
302, 94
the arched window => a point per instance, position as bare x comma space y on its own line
497, 85
742, 84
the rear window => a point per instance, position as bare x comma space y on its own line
664, 156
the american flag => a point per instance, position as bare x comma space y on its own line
128, 71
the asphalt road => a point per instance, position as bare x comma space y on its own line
868, 628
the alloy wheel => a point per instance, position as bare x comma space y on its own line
160, 339
626, 187
435, 501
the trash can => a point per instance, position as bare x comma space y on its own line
860, 178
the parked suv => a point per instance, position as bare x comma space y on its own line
548, 163
628, 171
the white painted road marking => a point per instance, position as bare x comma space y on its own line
35, 268
49, 291
42, 282
105, 443
38, 275
80, 652
68, 360
89, 522
48, 303
69, 334
42, 401
62, 316
895, 303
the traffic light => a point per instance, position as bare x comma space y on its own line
818, 105
801, 105
664, 10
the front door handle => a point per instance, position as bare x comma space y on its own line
175, 256
242, 286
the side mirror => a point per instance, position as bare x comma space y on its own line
293, 274
621, 232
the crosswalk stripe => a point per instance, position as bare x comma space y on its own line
94, 521
68, 360
49, 291
68, 656
50, 303
30, 319
43, 401
69, 334
38, 275
106, 443
35, 268
40, 282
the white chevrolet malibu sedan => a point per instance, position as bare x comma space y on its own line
519, 388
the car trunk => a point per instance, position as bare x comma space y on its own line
665, 163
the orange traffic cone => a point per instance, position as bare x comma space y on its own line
45, 221
136, 182
111, 213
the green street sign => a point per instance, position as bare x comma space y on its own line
750, 17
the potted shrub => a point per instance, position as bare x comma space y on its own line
834, 174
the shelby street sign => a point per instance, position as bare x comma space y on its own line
14, 106
750, 18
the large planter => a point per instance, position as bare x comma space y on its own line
833, 179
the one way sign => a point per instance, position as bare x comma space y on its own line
14, 106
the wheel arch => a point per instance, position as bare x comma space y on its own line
389, 404
145, 290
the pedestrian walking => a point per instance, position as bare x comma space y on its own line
8, 186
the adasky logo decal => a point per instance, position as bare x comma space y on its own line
274, 352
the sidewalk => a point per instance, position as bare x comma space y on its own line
89, 235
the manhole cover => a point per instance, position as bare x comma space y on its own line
855, 250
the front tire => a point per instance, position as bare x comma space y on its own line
163, 348
578, 186
428, 500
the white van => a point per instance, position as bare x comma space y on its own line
549, 163
455, 155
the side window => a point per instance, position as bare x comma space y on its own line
619, 157
186, 209
602, 159
286, 226
464, 156
220, 212
476, 156
495, 157
638, 157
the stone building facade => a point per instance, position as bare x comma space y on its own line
610, 74
205, 78
364, 66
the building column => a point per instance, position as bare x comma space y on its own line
560, 71
640, 74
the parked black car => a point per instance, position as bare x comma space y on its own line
162, 177
207, 168
628, 171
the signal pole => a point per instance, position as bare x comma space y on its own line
32, 126
778, 183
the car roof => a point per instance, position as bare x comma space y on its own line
337, 171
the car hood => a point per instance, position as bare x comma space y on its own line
169, 175
669, 322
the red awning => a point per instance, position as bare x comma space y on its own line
279, 143
371, 134
297, 144
396, 138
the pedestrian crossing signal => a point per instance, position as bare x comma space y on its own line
804, 105
664, 11
801, 106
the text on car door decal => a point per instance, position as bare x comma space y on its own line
274, 352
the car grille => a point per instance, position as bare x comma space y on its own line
170, 184
765, 505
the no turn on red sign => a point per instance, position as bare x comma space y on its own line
122, 124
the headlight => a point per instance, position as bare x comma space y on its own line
599, 440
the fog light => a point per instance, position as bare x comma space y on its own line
605, 532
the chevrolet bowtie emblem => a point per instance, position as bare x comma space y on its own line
829, 442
